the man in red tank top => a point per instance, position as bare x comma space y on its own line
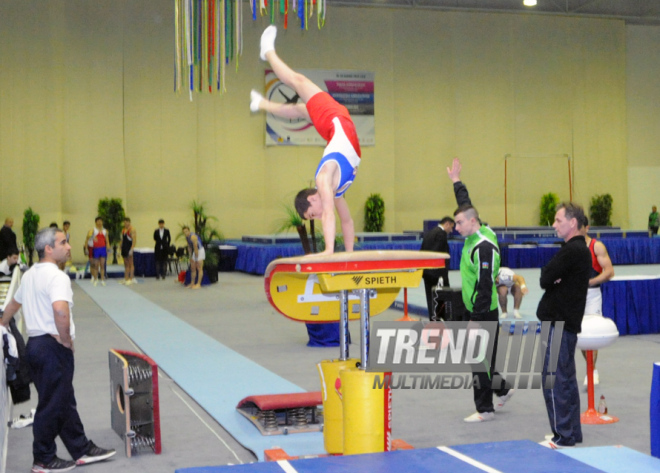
601, 272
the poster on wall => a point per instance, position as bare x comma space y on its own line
352, 89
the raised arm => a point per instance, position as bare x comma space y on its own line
460, 191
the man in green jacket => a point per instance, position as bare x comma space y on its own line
480, 263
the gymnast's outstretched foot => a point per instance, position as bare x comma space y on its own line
255, 100
268, 41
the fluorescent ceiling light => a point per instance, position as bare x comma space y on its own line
529, 3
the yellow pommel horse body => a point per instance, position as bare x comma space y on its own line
314, 289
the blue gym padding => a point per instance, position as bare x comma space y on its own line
654, 411
519, 456
616, 459
522, 456
218, 383
261, 467
423, 460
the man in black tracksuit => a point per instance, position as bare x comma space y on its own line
565, 280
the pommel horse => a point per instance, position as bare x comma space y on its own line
315, 289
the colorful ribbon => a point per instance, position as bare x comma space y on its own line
208, 35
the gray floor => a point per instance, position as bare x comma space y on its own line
237, 314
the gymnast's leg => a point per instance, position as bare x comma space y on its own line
304, 87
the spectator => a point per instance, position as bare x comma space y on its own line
197, 257
7, 264
162, 248
128, 241
7, 238
99, 243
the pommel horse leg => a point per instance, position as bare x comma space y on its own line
343, 325
364, 328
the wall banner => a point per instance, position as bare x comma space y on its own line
352, 89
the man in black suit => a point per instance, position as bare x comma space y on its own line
161, 251
436, 240
7, 238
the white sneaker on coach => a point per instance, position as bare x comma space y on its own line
553, 445
500, 401
480, 417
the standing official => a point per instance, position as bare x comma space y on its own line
565, 280
46, 298
480, 262
162, 248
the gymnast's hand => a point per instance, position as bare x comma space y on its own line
455, 171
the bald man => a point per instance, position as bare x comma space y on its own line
7, 238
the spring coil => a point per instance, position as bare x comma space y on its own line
299, 416
269, 420
141, 441
137, 373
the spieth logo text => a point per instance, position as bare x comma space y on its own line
374, 280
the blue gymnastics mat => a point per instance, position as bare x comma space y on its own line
616, 459
216, 377
520, 456
523, 456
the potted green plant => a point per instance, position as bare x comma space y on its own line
548, 209
294, 220
30, 229
374, 213
111, 211
600, 210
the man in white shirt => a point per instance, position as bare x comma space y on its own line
46, 298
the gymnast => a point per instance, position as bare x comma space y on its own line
341, 156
